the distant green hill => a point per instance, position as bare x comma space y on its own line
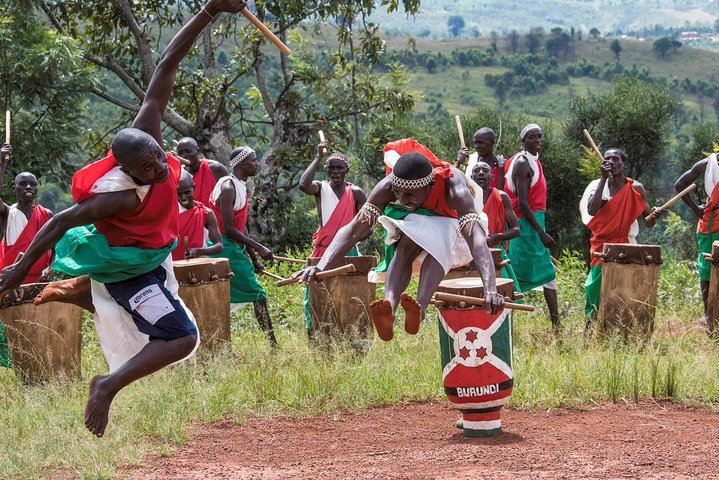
502, 16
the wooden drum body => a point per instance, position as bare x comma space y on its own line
713, 294
630, 278
470, 270
476, 351
205, 289
339, 306
44, 340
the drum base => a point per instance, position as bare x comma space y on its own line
480, 425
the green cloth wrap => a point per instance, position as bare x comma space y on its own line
396, 212
704, 244
306, 302
85, 251
4, 352
531, 260
244, 286
592, 291
508, 271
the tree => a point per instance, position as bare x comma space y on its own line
43, 82
665, 45
634, 116
494, 36
594, 32
616, 48
513, 41
559, 45
269, 101
456, 24
533, 40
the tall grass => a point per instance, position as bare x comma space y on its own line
42, 429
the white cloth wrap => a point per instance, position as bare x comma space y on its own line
584, 207
711, 174
532, 160
16, 223
117, 333
328, 201
240, 192
471, 162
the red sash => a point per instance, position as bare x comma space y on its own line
709, 217
612, 222
153, 224
342, 215
191, 225
437, 200
39, 217
239, 219
536, 195
204, 181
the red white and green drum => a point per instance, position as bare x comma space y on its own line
476, 351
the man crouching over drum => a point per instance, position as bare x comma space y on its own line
434, 222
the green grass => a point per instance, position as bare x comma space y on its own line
43, 433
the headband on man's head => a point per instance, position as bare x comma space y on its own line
244, 153
338, 156
529, 128
411, 184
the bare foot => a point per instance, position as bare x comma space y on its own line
383, 318
412, 313
97, 408
76, 291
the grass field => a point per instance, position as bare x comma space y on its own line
43, 432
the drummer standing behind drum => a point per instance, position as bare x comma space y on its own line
484, 144
708, 226
230, 203
610, 207
415, 183
527, 188
196, 223
205, 173
141, 167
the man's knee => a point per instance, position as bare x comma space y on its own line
185, 344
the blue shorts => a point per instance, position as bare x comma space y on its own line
155, 311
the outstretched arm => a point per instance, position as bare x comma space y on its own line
308, 185
163, 79
95, 208
647, 210
689, 177
5, 153
459, 198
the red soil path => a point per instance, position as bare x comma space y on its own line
419, 441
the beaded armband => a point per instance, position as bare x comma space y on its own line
469, 218
370, 213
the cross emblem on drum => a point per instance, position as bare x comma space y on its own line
473, 346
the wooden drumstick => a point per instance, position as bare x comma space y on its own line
322, 135
266, 32
673, 200
187, 246
322, 275
592, 144
459, 131
272, 275
182, 160
289, 260
451, 297
19, 257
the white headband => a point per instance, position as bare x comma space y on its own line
529, 128
411, 184
244, 153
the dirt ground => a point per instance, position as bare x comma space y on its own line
420, 441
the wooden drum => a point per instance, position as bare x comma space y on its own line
630, 277
713, 294
205, 289
339, 306
476, 351
470, 270
44, 340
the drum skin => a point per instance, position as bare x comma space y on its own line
339, 306
205, 290
44, 340
476, 352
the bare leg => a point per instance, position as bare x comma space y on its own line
704, 286
103, 388
262, 314
76, 291
550, 296
431, 274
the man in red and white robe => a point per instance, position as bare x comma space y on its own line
196, 223
205, 172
